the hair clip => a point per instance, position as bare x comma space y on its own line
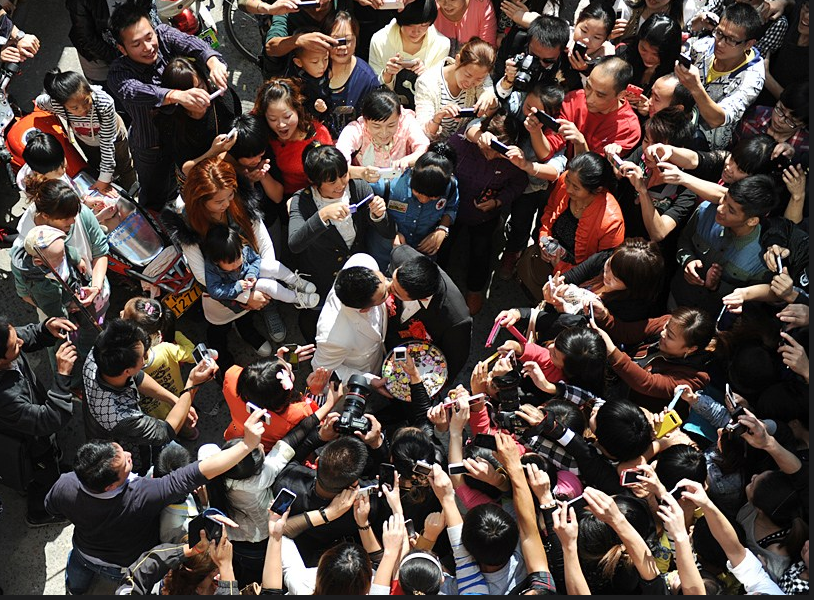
285, 379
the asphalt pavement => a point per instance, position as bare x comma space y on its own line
32, 561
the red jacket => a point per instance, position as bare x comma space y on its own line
601, 226
281, 423
618, 127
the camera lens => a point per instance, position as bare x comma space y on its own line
352, 418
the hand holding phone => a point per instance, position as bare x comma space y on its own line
387, 475
399, 354
634, 90
629, 477
252, 408
548, 121
422, 468
499, 146
617, 160
581, 50
466, 113
670, 422
283, 501
483, 440
457, 469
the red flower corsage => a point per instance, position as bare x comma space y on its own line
390, 303
417, 331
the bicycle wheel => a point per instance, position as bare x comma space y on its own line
245, 31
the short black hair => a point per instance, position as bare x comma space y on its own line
550, 31
567, 414
746, 16
490, 534
380, 104
60, 86
252, 136
323, 163
619, 69
222, 244
43, 153
126, 15
408, 445
341, 463
417, 13
355, 286
680, 462
5, 334
671, 125
92, 465
754, 155
551, 95
623, 430
795, 98
682, 96
585, 358
419, 277
756, 195
420, 576
434, 170
115, 348
171, 457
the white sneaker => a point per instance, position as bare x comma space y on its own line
300, 284
265, 350
305, 300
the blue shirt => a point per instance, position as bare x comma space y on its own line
413, 219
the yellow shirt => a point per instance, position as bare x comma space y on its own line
712, 75
164, 366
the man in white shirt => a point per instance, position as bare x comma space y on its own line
353, 322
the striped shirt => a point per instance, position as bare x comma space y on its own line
98, 128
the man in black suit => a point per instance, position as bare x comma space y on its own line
428, 300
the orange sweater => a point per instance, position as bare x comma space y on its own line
281, 423
601, 226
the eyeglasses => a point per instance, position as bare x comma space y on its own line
722, 38
785, 117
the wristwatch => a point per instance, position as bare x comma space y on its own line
20, 35
443, 228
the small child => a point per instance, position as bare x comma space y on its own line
164, 358
234, 269
311, 66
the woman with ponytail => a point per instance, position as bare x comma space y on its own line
90, 115
422, 202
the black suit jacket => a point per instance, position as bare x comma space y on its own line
446, 319
321, 251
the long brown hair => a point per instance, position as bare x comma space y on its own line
206, 179
287, 90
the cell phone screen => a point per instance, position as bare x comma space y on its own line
483, 440
630, 477
548, 121
410, 527
283, 500
422, 468
387, 475
466, 113
685, 60
457, 469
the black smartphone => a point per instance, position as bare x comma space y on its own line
581, 49
781, 163
548, 121
341, 41
733, 427
457, 469
685, 60
411, 532
618, 14
291, 357
467, 113
387, 475
283, 500
422, 468
677, 493
212, 528
499, 147
483, 440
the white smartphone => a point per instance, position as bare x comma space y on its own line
232, 133
216, 93
251, 408
457, 469
400, 354
389, 172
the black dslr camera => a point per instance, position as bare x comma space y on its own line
529, 69
352, 418
508, 394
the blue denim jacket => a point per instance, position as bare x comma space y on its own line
413, 219
223, 285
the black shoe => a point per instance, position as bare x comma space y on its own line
44, 519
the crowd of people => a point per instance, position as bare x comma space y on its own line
638, 166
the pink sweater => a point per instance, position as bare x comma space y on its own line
478, 20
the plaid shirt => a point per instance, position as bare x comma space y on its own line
552, 450
758, 122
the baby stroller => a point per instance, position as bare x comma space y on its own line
140, 247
